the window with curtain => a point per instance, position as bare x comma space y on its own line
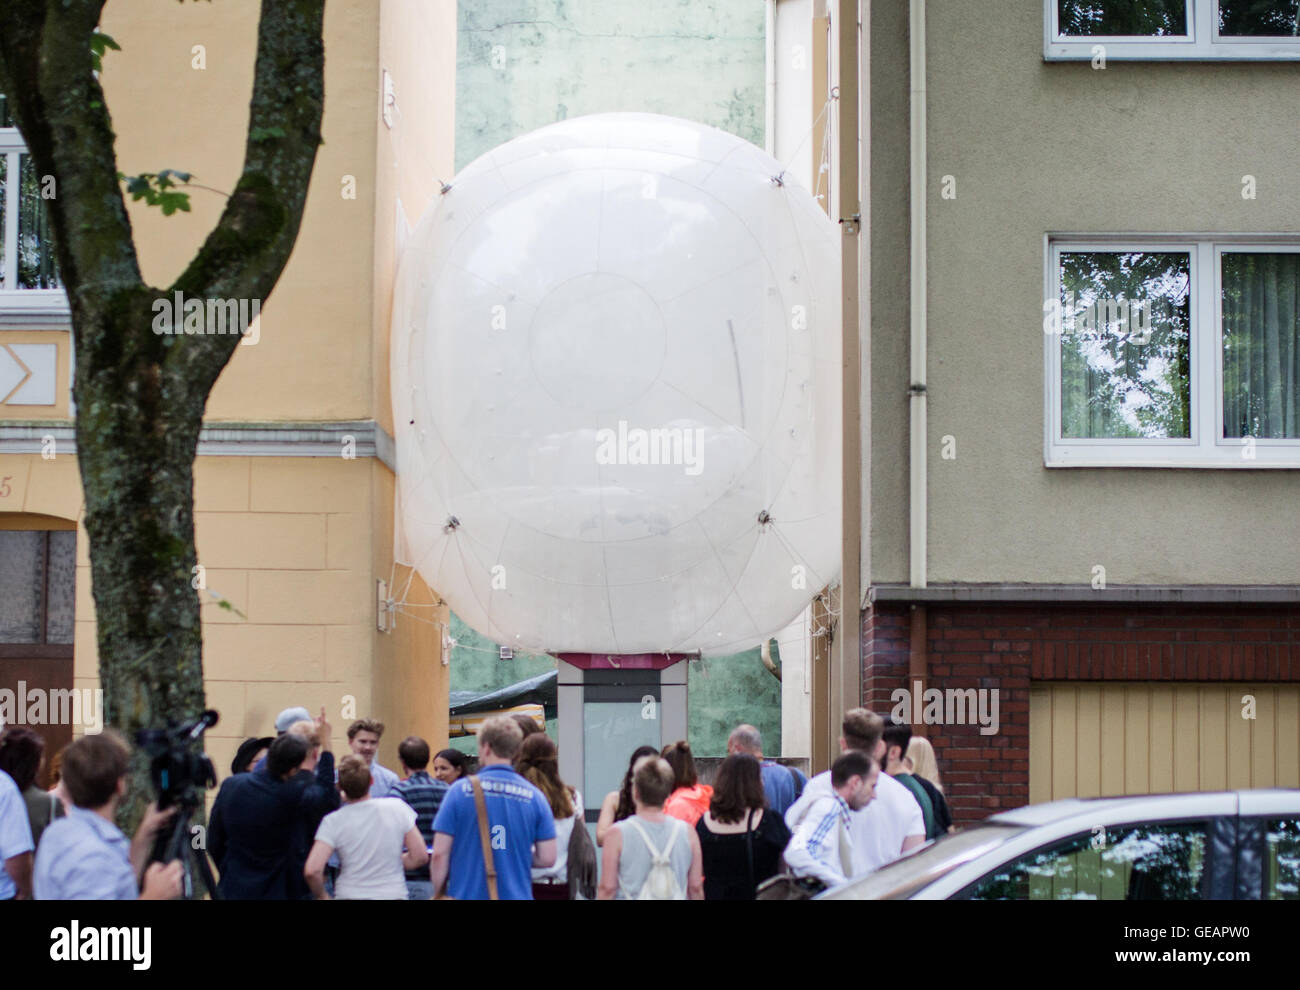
1261, 345
1173, 354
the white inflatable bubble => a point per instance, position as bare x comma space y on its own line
616, 390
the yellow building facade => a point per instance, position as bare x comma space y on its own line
294, 484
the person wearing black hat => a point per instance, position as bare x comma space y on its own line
250, 751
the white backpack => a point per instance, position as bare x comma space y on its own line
661, 882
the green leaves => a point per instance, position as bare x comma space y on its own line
224, 603
100, 43
154, 189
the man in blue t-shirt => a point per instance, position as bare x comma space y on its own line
520, 825
781, 785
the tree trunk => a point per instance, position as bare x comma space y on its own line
136, 446
140, 395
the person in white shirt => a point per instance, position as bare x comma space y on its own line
890, 825
822, 846
369, 835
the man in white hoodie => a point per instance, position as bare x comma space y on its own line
822, 845
890, 825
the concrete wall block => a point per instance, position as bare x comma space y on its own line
222, 484
261, 540
264, 653
310, 484
310, 597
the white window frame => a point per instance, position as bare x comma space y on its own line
1202, 43
16, 303
1207, 447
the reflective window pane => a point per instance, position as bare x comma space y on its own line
22, 562
62, 585
1125, 345
1261, 345
36, 267
1259, 18
1131, 862
1146, 18
1282, 866
611, 731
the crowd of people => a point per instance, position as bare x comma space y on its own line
291, 824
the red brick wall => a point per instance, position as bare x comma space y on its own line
1006, 646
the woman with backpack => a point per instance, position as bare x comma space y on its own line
741, 839
538, 762
651, 856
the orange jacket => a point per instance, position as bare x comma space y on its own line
689, 803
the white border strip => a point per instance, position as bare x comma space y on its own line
234, 439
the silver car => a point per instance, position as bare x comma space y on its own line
1231, 845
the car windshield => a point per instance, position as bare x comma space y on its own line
907, 875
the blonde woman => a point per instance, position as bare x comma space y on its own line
920, 757
925, 770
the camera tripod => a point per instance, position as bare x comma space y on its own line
177, 845
180, 776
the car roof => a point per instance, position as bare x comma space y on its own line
1143, 805
1031, 826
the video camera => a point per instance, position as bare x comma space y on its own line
179, 773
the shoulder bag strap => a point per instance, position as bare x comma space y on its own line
480, 812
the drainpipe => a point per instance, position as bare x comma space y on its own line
846, 684
918, 509
769, 121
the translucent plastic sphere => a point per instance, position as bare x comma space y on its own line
616, 391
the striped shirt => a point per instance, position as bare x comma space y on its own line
820, 844
425, 795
